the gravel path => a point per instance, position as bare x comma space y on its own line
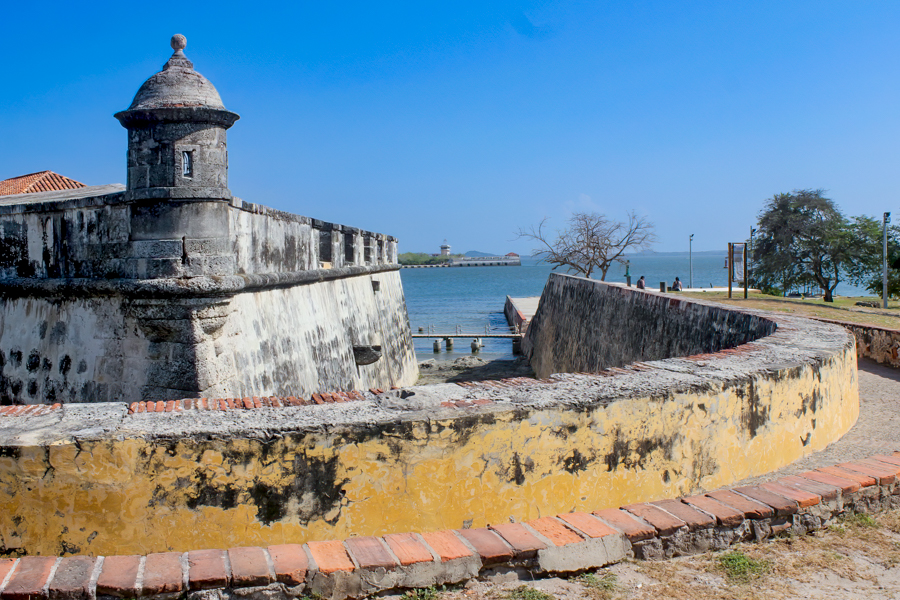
876, 432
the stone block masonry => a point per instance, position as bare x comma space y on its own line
358, 567
587, 325
86, 315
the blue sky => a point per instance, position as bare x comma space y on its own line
466, 121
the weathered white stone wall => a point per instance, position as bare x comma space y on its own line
102, 299
286, 341
585, 325
279, 338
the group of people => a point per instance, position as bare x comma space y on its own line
676, 286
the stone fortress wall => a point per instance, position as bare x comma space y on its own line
91, 314
159, 318
586, 325
153, 477
172, 287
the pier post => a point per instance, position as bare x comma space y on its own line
449, 341
437, 346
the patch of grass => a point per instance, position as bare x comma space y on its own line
606, 582
812, 307
600, 585
861, 520
523, 592
740, 568
429, 593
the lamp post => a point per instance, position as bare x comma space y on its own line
691, 259
750, 255
884, 279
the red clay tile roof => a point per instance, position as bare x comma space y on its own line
43, 181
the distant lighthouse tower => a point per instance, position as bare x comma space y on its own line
445, 249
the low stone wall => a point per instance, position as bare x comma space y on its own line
585, 325
514, 316
109, 478
875, 343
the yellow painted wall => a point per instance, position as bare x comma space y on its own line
133, 496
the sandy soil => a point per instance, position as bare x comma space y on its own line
471, 368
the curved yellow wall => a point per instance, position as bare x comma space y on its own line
462, 467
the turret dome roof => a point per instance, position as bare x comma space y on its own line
177, 85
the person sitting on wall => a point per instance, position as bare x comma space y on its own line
640, 283
677, 287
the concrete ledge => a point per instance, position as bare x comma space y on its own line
359, 567
179, 287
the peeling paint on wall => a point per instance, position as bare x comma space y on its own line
441, 456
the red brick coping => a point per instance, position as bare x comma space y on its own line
569, 542
253, 402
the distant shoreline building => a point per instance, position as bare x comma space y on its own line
509, 260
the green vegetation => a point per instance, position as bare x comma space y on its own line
740, 568
856, 519
429, 593
842, 309
523, 592
600, 585
805, 240
421, 258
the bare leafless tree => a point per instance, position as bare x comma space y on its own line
591, 242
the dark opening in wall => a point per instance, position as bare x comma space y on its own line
325, 245
381, 251
349, 255
187, 163
367, 249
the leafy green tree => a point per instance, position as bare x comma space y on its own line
868, 241
803, 239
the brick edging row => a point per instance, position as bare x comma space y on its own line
565, 543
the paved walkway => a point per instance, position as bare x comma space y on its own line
876, 431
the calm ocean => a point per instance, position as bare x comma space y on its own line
473, 297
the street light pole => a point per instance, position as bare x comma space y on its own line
884, 279
750, 255
691, 258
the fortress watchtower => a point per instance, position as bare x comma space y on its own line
177, 180
176, 135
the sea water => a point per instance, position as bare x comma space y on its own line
472, 298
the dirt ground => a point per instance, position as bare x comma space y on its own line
857, 558
471, 368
